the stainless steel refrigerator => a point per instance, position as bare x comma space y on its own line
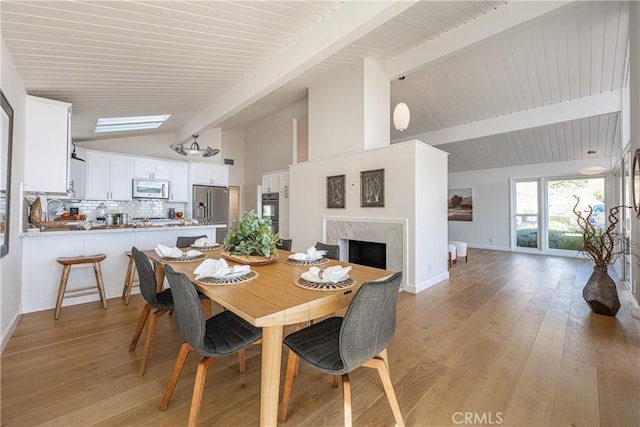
211, 206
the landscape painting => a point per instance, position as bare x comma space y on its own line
460, 204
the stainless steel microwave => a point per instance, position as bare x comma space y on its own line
150, 189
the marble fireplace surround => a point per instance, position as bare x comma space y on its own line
390, 231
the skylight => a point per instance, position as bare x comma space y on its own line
119, 124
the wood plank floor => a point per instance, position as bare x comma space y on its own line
507, 340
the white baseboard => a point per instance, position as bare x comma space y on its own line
9, 332
419, 287
491, 247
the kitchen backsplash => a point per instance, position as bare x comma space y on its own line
139, 208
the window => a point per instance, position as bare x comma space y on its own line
543, 212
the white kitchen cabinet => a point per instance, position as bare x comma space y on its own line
283, 205
151, 169
179, 186
108, 176
209, 174
270, 183
47, 145
78, 176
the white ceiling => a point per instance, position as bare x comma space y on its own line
493, 83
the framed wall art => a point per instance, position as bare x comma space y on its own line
372, 189
460, 204
6, 139
336, 192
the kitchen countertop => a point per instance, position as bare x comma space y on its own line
72, 229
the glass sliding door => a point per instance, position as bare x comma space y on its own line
526, 206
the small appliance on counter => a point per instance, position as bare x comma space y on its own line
172, 213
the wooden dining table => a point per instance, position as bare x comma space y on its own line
271, 301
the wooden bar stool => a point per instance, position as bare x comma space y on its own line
79, 261
130, 280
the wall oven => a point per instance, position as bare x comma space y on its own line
150, 189
270, 209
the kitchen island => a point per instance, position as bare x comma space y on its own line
41, 272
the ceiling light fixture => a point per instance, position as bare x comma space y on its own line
194, 149
592, 170
401, 115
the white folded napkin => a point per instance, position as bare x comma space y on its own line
193, 253
311, 254
203, 242
166, 251
218, 268
330, 274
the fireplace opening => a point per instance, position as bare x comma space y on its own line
368, 253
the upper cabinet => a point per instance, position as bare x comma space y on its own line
108, 176
47, 145
210, 174
151, 168
179, 186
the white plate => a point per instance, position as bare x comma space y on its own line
311, 278
291, 257
231, 276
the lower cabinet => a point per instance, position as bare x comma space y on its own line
41, 272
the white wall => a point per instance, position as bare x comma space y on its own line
233, 148
336, 114
491, 200
269, 146
350, 112
11, 265
422, 202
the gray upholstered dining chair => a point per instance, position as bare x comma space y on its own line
284, 244
220, 335
186, 241
157, 304
333, 251
339, 345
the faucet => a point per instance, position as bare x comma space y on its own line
61, 207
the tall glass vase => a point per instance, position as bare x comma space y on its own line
600, 293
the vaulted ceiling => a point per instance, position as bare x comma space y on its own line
493, 83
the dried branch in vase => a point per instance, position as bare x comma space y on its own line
601, 245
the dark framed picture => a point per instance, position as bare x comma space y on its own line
335, 192
372, 189
460, 204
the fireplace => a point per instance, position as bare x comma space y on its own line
371, 254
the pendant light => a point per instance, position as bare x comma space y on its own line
401, 115
194, 149
592, 170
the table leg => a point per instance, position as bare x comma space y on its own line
158, 268
270, 381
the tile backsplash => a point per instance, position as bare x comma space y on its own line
138, 208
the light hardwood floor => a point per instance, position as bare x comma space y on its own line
506, 340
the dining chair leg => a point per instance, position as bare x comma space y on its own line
379, 364
175, 375
384, 356
206, 306
198, 389
336, 381
151, 330
242, 362
346, 399
146, 310
296, 368
292, 362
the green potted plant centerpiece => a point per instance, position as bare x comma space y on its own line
602, 246
251, 241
